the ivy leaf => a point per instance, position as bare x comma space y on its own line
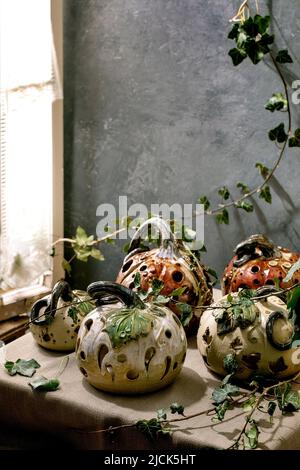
283, 57
278, 133
294, 298
137, 280
271, 408
237, 56
263, 23
266, 195
22, 367
73, 313
233, 34
203, 200
254, 52
220, 410
250, 27
224, 193
230, 363
277, 102
294, 141
223, 217
81, 237
246, 206
156, 286
292, 271
125, 324
177, 408
151, 428
248, 405
96, 254
162, 299
252, 436
186, 312
264, 171
66, 266
243, 187
42, 384
222, 393
161, 415
178, 292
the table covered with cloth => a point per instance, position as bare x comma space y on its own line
67, 416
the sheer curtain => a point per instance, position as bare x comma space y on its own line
29, 84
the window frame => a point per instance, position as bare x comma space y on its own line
17, 301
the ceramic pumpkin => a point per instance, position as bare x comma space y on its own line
257, 262
170, 263
129, 347
260, 335
55, 319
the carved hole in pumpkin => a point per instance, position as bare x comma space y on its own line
46, 337
168, 361
77, 344
143, 268
255, 269
88, 324
122, 358
177, 276
131, 285
77, 329
83, 371
148, 356
103, 350
243, 286
168, 334
175, 365
132, 375
127, 265
256, 282
82, 355
270, 282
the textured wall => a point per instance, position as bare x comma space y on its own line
155, 110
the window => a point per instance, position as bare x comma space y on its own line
31, 146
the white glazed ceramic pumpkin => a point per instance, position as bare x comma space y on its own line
130, 347
261, 336
55, 319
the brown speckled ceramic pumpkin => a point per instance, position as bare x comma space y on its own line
263, 339
172, 264
257, 262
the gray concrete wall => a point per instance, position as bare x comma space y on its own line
155, 110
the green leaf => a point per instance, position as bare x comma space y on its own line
151, 428
161, 415
66, 266
278, 133
42, 384
22, 367
264, 171
277, 102
266, 195
81, 236
283, 57
224, 193
137, 280
252, 436
178, 292
248, 405
221, 409
263, 23
96, 254
243, 187
156, 286
186, 313
128, 324
233, 34
73, 313
162, 299
250, 27
254, 52
237, 55
230, 363
246, 206
294, 141
292, 271
222, 393
223, 217
203, 200
177, 408
294, 298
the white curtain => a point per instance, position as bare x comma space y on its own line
29, 83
